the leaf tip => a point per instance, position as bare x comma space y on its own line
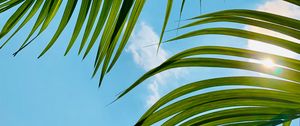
84, 56
39, 56
66, 53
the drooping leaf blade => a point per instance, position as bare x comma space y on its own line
85, 6
64, 21
139, 4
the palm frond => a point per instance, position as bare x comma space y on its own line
116, 17
276, 101
168, 12
273, 102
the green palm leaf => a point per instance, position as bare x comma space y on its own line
33, 11
129, 28
103, 16
259, 15
262, 112
290, 45
67, 15
12, 21
181, 60
80, 20
168, 12
7, 4
113, 16
276, 101
242, 20
281, 85
92, 18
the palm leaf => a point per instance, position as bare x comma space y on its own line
7, 4
33, 11
294, 2
276, 84
129, 28
113, 16
38, 22
242, 20
290, 45
67, 15
262, 111
12, 21
92, 18
241, 112
259, 15
103, 16
80, 20
182, 60
276, 101
168, 12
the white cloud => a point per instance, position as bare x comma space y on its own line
279, 7
148, 58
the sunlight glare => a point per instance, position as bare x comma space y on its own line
268, 63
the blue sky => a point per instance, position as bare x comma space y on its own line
58, 91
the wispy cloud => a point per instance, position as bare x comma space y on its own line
279, 7
148, 58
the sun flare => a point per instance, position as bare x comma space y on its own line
268, 63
